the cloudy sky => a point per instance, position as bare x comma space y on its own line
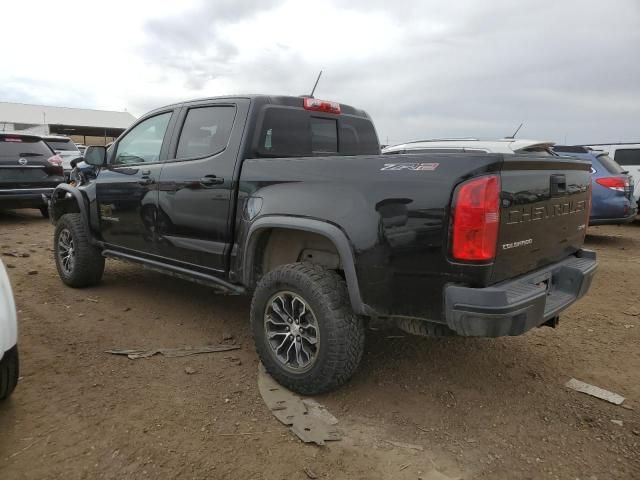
570, 69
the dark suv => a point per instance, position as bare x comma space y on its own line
29, 171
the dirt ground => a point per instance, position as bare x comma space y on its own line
477, 408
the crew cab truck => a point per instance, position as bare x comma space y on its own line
289, 200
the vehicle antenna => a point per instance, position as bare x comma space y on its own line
516, 132
315, 84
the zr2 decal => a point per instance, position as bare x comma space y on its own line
416, 167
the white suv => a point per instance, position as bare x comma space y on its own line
9, 363
456, 145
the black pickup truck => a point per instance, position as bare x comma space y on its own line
289, 199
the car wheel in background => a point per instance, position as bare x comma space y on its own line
305, 331
44, 211
79, 263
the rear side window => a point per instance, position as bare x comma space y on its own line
16, 147
627, 156
206, 131
62, 145
610, 165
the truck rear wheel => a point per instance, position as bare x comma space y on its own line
305, 331
9, 372
79, 263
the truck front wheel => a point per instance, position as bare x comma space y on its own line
305, 331
79, 263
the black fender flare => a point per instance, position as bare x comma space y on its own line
60, 193
328, 230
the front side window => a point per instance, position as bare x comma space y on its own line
206, 131
144, 142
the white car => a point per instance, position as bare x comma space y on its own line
9, 363
65, 148
456, 145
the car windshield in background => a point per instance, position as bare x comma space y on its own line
63, 145
609, 164
16, 147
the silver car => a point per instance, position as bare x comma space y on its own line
65, 148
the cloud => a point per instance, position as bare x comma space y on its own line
192, 43
421, 68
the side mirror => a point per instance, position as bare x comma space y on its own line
96, 155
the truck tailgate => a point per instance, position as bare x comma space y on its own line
544, 212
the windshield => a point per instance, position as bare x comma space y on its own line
14, 148
63, 145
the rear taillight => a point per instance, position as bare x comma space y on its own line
614, 183
476, 218
321, 105
56, 162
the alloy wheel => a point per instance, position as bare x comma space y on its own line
66, 252
292, 332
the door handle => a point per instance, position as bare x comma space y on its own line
145, 180
210, 180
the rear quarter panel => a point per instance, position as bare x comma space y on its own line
393, 209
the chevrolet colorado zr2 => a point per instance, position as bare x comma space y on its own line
289, 200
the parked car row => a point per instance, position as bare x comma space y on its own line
613, 200
612, 186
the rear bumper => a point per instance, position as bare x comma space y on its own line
25, 197
516, 306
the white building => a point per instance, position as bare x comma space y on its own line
90, 127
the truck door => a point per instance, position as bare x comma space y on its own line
127, 189
196, 185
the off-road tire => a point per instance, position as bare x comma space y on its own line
44, 211
422, 328
89, 263
341, 330
9, 372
